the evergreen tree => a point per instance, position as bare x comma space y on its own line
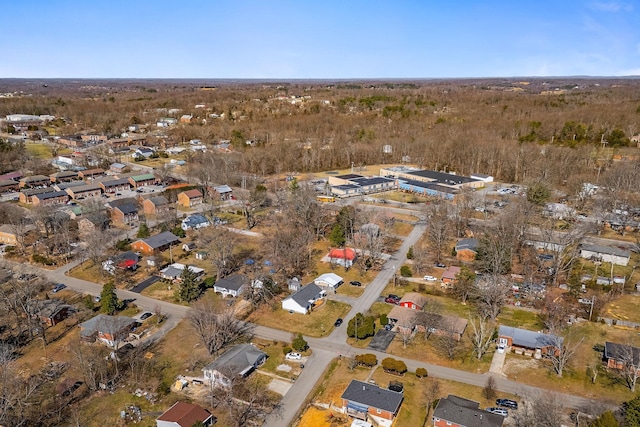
607, 419
109, 302
299, 343
189, 289
363, 325
143, 231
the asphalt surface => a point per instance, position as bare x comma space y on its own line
324, 349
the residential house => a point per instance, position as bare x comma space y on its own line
294, 284
143, 152
413, 300
52, 311
231, 286
466, 249
143, 180
118, 168
303, 300
195, 222
90, 174
83, 191
118, 145
126, 261
113, 186
527, 342
609, 254
237, 362
621, 356
35, 181
449, 275
329, 282
50, 198
157, 243
362, 400
124, 213
108, 329
63, 176
26, 195
183, 414
7, 185
156, 205
190, 198
92, 223
186, 118
175, 270
342, 256
223, 192
454, 411
407, 320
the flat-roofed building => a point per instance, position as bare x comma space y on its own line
84, 191
50, 198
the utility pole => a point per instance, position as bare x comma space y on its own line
593, 300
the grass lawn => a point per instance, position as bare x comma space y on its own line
398, 196
401, 229
412, 412
316, 324
623, 308
91, 272
511, 316
39, 151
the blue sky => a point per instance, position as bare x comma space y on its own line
318, 39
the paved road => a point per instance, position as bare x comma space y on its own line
324, 349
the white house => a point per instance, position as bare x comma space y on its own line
329, 281
238, 361
174, 271
195, 221
232, 286
303, 300
610, 254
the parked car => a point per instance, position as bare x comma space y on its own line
440, 265
58, 287
507, 403
501, 348
98, 298
498, 411
392, 299
430, 278
338, 322
355, 283
293, 356
146, 315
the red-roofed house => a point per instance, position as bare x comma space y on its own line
183, 414
344, 256
190, 198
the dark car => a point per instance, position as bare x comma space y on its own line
441, 265
338, 322
355, 283
396, 386
507, 403
392, 299
146, 315
58, 287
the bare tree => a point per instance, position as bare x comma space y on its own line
562, 347
448, 337
564, 247
627, 360
430, 395
216, 328
481, 335
247, 401
491, 294
539, 410
221, 243
438, 226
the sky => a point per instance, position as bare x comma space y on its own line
321, 39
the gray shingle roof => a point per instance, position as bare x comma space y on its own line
622, 352
232, 283
527, 339
609, 250
237, 360
105, 323
162, 239
306, 294
51, 195
465, 413
371, 395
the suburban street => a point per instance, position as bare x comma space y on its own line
324, 349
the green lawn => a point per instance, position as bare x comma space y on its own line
318, 323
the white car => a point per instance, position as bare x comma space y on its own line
501, 348
430, 278
293, 356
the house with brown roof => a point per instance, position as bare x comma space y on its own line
409, 320
50, 198
156, 205
413, 300
183, 414
107, 329
7, 185
190, 198
83, 191
157, 243
34, 181
91, 173
63, 176
449, 275
113, 186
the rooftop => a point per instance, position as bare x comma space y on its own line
372, 395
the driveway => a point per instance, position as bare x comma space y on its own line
497, 363
382, 340
145, 284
